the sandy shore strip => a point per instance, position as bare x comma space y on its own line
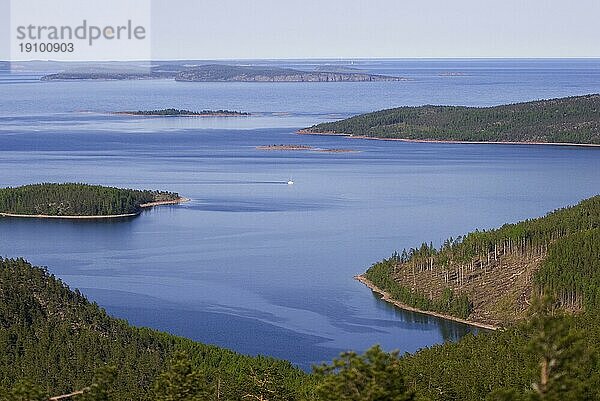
386, 297
352, 136
169, 202
46, 216
97, 217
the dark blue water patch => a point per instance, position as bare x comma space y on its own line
450, 330
133, 300
247, 313
345, 317
248, 333
263, 205
179, 143
246, 336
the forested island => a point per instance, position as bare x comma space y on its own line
171, 112
569, 120
73, 200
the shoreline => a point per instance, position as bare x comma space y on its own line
351, 136
387, 298
46, 216
97, 217
181, 199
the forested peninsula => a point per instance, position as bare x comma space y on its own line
569, 120
73, 200
491, 276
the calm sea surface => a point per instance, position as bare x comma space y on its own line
254, 264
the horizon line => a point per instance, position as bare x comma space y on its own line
301, 59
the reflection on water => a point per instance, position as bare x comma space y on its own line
449, 330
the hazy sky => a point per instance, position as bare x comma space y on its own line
223, 29
376, 28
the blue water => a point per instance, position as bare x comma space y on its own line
254, 264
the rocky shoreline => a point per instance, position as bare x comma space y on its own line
386, 297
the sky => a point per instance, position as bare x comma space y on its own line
282, 29
375, 28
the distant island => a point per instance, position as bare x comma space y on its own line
569, 120
114, 73
103, 76
451, 74
79, 201
284, 147
231, 73
223, 73
183, 113
304, 148
488, 278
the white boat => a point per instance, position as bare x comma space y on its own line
290, 182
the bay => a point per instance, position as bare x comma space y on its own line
254, 264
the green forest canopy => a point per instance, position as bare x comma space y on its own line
72, 199
564, 120
53, 341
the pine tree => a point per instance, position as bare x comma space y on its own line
374, 376
24, 390
566, 365
181, 382
101, 387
